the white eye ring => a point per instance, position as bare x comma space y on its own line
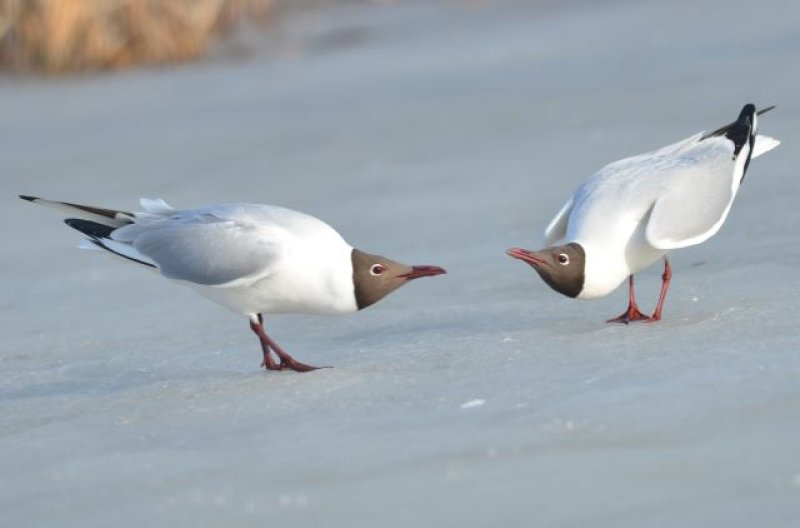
563, 259
376, 269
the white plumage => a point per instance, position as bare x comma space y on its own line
253, 259
250, 258
634, 211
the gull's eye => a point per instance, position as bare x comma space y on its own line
563, 259
377, 269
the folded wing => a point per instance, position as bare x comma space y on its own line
556, 230
698, 191
203, 248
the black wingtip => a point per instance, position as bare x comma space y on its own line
765, 110
747, 110
89, 228
99, 235
742, 131
28, 197
745, 120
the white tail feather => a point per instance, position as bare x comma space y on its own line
763, 145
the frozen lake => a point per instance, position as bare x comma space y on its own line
429, 132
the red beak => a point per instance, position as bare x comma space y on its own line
422, 271
527, 256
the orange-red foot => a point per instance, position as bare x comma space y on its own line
632, 315
297, 366
654, 318
288, 363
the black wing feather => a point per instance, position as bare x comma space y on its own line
97, 233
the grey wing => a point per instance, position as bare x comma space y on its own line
697, 194
556, 230
208, 253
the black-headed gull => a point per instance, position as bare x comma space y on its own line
253, 259
634, 211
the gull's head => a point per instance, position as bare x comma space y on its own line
561, 267
375, 277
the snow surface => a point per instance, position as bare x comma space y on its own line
430, 132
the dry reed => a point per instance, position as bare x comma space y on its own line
58, 36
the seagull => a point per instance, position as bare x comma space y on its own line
253, 259
632, 212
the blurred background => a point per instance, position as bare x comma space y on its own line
63, 36
440, 132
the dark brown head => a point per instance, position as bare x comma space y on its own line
561, 267
375, 277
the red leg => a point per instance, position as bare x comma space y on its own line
257, 327
268, 346
632, 313
665, 280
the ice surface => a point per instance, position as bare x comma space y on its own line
438, 133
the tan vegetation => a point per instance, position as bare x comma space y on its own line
76, 35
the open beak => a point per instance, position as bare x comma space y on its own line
422, 271
527, 256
